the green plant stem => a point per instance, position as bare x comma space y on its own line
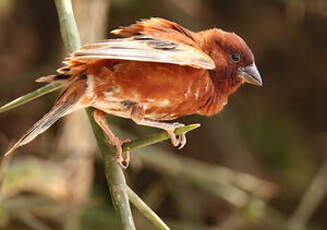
115, 177
68, 28
155, 138
114, 174
30, 96
146, 210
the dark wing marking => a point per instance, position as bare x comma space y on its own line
159, 28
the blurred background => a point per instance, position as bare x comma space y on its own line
260, 164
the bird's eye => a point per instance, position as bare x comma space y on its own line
236, 57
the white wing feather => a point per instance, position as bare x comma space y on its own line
141, 48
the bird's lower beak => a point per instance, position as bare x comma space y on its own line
251, 75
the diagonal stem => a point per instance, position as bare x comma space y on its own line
146, 210
30, 96
156, 138
115, 177
114, 174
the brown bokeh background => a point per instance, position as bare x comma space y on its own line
276, 133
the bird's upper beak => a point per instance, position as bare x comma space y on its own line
251, 75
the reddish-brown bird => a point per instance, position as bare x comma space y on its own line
159, 72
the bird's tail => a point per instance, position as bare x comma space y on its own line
60, 78
67, 102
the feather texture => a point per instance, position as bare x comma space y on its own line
66, 103
142, 48
161, 29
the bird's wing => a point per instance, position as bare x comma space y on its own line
159, 28
147, 49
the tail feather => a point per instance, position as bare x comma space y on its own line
66, 103
54, 78
39, 127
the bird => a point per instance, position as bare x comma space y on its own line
157, 71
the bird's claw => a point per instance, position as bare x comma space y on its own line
180, 140
122, 158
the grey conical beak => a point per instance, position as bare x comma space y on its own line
251, 75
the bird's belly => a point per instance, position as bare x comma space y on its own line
153, 110
169, 92
113, 107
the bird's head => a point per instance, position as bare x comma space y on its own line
233, 58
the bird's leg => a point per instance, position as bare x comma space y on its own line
100, 118
137, 116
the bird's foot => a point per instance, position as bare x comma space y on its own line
137, 116
121, 158
179, 140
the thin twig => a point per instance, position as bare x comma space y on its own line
144, 208
156, 138
31, 96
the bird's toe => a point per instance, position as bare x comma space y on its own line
182, 141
